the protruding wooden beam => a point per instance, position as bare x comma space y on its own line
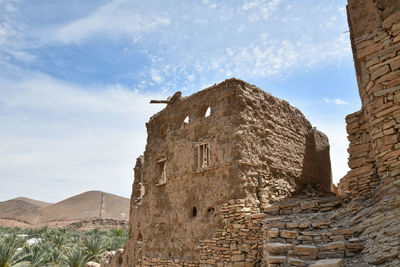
159, 101
170, 100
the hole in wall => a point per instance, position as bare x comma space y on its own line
208, 112
185, 121
210, 210
194, 212
204, 111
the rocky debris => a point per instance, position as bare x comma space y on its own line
112, 258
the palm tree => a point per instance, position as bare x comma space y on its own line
38, 255
54, 256
9, 255
94, 246
76, 257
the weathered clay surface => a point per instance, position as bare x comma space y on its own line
260, 149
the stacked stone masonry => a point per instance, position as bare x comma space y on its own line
374, 130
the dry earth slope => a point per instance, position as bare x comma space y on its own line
25, 212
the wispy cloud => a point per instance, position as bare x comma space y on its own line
116, 19
337, 101
264, 9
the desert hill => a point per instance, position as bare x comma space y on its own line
25, 212
33, 201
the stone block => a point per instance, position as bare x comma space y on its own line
308, 205
237, 257
288, 234
296, 262
276, 259
354, 246
395, 65
333, 246
369, 50
379, 72
271, 209
239, 264
306, 250
292, 225
327, 263
392, 19
273, 232
279, 248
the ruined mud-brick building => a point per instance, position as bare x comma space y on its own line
249, 185
251, 150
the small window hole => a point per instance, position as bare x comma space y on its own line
185, 121
161, 174
194, 212
208, 112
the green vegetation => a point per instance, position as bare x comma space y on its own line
56, 247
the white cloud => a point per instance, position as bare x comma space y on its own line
263, 9
337, 101
115, 19
58, 139
155, 76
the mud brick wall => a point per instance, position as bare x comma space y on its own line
259, 148
278, 149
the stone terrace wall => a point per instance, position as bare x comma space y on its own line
374, 130
373, 184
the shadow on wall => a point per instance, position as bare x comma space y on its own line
317, 164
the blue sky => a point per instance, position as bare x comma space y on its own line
76, 78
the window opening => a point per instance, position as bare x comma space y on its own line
161, 174
186, 121
208, 112
203, 152
194, 212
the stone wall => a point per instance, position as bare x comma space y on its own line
374, 130
373, 184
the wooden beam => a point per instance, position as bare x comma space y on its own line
159, 101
